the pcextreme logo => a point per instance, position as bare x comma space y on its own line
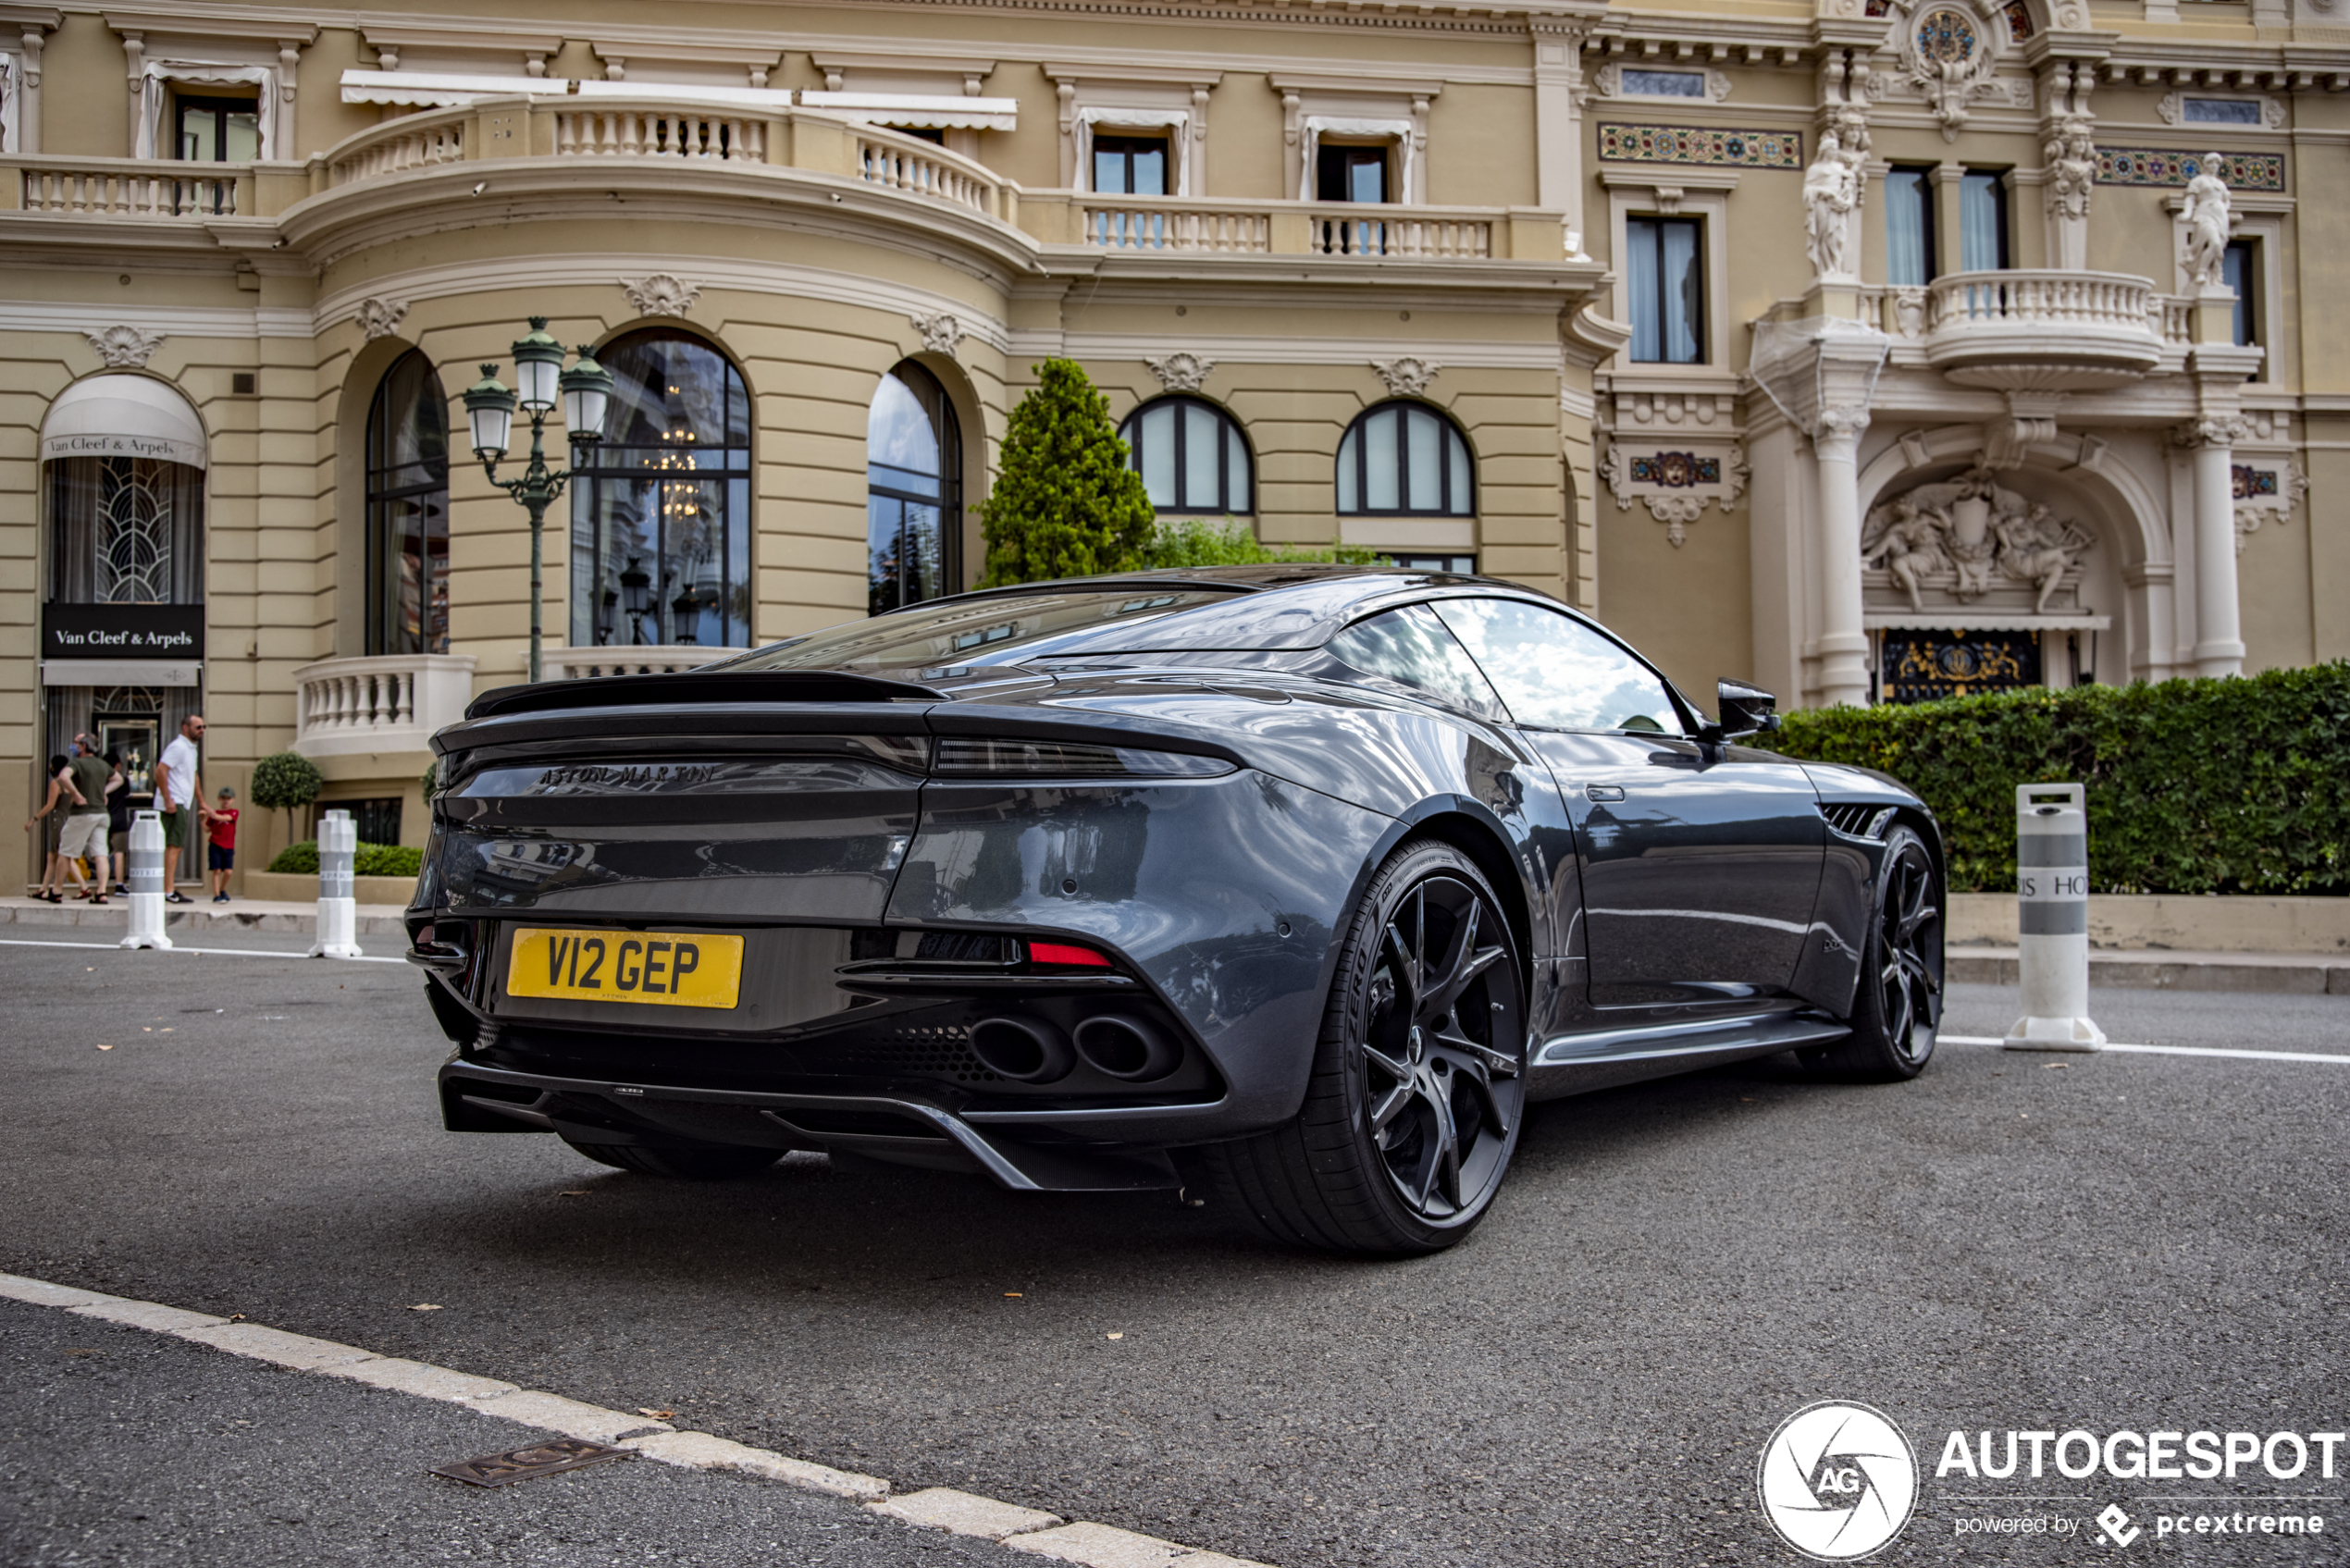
1837, 1480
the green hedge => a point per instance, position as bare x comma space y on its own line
373, 859
2238, 786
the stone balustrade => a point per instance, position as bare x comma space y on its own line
2020, 329
390, 703
142, 188
584, 664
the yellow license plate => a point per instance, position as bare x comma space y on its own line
669, 968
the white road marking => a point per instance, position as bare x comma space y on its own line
215, 952
1022, 1529
2165, 1050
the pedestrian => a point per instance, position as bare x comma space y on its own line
118, 818
86, 827
222, 851
179, 797
61, 791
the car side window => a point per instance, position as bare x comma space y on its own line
1412, 647
1555, 673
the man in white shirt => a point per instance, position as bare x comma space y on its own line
179, 786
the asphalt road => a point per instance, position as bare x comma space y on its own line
2011, 1241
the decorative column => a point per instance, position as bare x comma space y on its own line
2219, 636
29, 101
2068, 149
1559, 95
1844, 642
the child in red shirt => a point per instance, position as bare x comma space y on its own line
222, 819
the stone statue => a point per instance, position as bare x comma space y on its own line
2206, 211
2072, 156
2036, 548
1910, 547
1831, 192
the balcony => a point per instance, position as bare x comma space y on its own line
2044, 331
1160, 224
355, 707
414, 169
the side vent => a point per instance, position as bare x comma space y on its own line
1862, 821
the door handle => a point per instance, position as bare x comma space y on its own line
1603, 792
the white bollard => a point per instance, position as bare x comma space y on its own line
2052, 920
146, 881
337, 909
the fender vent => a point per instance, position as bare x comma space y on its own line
1864, 821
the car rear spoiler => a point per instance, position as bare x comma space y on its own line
697, 686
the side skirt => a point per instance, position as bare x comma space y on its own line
1578, 1064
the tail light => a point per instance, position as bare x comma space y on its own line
994, 756
1067, 952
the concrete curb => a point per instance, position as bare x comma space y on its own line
1022, 1529
199, 921
2305, 974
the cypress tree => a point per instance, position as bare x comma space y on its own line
1065, 502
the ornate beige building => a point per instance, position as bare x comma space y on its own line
1869, 349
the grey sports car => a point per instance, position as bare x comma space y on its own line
1290, 886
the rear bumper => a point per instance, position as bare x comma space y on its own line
1022, 1151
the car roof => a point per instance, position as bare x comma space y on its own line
1279, 605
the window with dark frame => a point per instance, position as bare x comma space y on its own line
2241, 271
1909, 259
1404, 460
1346, 172
1192, 456
1665, 271
215, 131
407, 511
1131, 166
1982, 221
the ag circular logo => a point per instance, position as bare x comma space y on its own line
1837, 1480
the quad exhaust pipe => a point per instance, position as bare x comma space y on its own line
1032, 1050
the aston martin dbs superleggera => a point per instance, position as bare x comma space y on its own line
1292, 886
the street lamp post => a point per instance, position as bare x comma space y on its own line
584, 392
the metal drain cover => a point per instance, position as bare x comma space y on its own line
521, 1464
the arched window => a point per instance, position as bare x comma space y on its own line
661, 515
1192, 456
1406, 459
408, 511
913, 491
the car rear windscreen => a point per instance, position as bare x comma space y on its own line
974, 630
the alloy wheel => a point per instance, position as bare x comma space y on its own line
1909, 929
1441, 1050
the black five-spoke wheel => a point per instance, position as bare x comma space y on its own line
1442, 1101
1897, 1007
1418, 1086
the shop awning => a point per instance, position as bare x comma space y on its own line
915, 111
121, 672
117, 415
442, 89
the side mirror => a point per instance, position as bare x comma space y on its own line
1745, 710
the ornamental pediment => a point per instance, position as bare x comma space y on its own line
1970, 544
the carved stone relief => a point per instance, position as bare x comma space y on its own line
2265, 489
661, 294
1407, 376
1181, 371
124, 348
379, 317
1969, 543
1675, 486
1609, 82
942, 334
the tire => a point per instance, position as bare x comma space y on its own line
683, 1162
1898, 1008
1423, 1039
